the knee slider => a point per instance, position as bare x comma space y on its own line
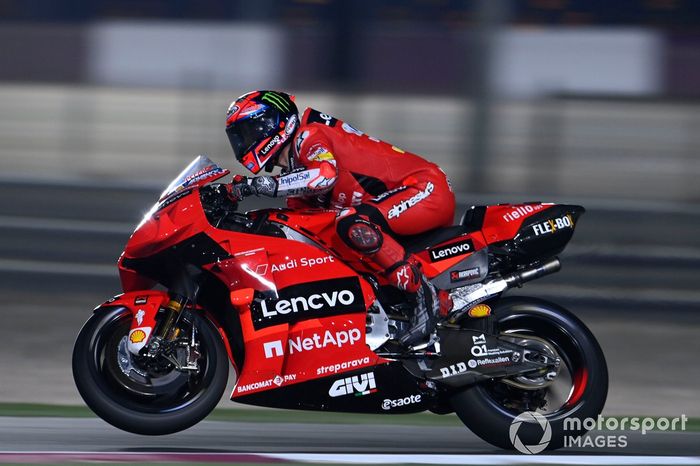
360, 234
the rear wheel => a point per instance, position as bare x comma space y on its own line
578, 391
149, 395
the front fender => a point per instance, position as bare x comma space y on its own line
144, 306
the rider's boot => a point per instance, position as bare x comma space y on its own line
427, 303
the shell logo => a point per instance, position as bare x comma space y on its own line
480, 310
137, 336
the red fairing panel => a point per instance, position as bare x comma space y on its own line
313, 329
502, 222
144, 305
457, 249
171, 224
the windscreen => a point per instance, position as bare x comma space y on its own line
200, 171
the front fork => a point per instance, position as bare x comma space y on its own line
165, 329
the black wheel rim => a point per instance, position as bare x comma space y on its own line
155, 393
574, 366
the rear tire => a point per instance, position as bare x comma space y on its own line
151, 404
486, 415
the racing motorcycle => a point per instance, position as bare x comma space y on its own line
206, 287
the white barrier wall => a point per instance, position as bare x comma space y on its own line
535, 62
185, 54
542, 149
527, 62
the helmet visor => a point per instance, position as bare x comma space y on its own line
246, 133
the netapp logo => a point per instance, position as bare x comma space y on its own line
317, 341
451, 250
358, 385
310, 300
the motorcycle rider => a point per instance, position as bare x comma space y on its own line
379, 190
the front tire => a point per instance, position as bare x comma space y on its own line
146, 401
484, 407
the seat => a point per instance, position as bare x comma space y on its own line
417, 243
472, 220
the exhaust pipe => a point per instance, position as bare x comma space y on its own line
548, 268
466, 297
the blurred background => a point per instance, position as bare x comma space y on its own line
596, 103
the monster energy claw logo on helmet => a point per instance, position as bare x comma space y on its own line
276, 101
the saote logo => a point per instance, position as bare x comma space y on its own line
299, 344
409, 400
406, 204
358, 385
451, 250
310, 300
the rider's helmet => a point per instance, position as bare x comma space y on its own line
259, 125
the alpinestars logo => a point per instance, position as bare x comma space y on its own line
358, 385
309, 300
406, 204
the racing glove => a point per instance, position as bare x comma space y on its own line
242, 186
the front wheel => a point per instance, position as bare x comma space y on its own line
578, 392
149, 396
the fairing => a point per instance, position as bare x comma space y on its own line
302, 310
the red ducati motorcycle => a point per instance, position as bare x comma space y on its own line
206, 286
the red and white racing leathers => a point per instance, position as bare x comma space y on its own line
372, 183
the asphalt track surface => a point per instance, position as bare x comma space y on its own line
631, 274
93, 435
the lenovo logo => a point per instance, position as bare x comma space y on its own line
309, 300
315, 301
451, 250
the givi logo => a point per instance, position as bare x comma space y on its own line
358, 385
